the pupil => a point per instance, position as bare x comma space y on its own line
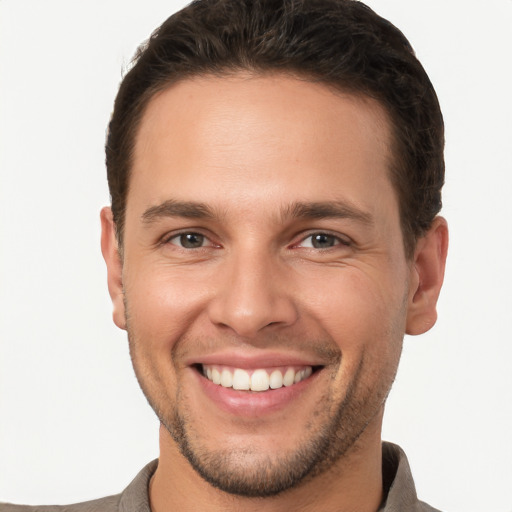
321, 241
191, 240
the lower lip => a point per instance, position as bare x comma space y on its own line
253, 403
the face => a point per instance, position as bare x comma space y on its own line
264, 285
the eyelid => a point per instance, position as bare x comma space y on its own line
168, 237
341, 239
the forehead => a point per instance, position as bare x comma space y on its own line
259, 137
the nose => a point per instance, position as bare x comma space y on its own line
253, 295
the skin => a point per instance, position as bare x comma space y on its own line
249, 149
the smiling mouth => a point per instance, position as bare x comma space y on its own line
259, 380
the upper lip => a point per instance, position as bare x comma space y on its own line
251, 361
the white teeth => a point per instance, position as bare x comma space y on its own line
215, 376
276, 379
241, 379
259, 380
289, 377
226, 378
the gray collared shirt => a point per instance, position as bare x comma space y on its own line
398, 487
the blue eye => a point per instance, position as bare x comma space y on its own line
189, 240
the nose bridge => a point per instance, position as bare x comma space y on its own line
253, 294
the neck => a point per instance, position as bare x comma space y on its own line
353, 483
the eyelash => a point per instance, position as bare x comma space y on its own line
338, 240
177, 236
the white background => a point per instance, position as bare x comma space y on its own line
73, 423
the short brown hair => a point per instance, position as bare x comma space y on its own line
341, 43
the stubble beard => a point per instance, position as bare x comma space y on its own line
244, 472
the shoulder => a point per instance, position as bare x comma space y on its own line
134, 498
398, 482
107, 504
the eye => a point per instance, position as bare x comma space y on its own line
322, 241
190, 240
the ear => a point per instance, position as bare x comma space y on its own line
110, 251
427, 275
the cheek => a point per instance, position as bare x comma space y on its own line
366, 320
356, 302
161, 305
361, 312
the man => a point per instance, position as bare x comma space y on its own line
275, 169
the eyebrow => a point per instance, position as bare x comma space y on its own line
173, 208
297, 210
327, 210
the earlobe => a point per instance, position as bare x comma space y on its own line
427, 279
110, 251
